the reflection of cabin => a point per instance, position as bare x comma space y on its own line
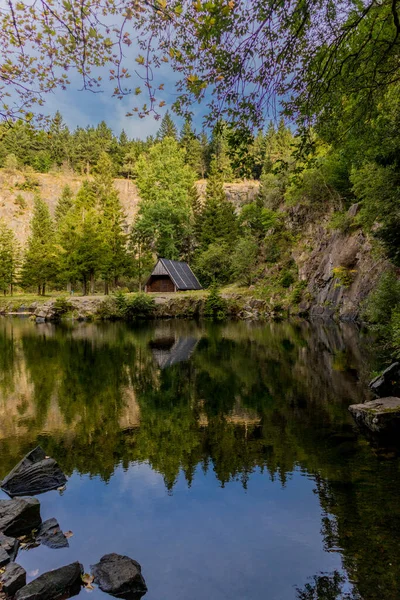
171, 276
168, 351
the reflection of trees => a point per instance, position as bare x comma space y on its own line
272, 398
326, 587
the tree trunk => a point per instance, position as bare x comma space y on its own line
91, 284
69, 287
106, 290
44, 289
39, 290
84, 286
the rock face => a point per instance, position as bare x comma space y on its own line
9, 545
19, 516
60, 583
35, 474
51, 535
119, 576
381, 417
388, 383
13, 578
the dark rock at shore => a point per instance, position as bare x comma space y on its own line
388, 383
9, 545
379, 417
119, 576
13, 579
60, 583
19, 516
51, 535
36, 473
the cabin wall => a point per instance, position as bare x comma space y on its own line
160, 283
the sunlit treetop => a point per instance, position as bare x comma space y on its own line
243, 59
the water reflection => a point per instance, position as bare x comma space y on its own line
238, 401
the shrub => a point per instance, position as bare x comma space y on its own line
11, 163
341, 221
61, 307
395, 330
139, 306
344, 276
297, 294
383, 300
215, 306
20, 201
286, 279
30, 182
107, 310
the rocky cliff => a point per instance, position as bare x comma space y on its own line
317, 252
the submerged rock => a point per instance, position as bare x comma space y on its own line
51, 535
13, 579
9, 546
35, 474
381, 417
19, 516
388, 383
60, 583
119, 576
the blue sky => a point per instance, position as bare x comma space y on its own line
82, 108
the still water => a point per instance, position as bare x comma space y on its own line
221, 457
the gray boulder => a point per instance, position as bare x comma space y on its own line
35, 474
19, 516
119, 576
380, 417
388, 383
13, 578
51, 535
60, 583
4, 557
10, 545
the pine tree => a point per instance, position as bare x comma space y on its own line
217, 220
9, 255
167, 128
81, 241
219, 149
39, 265
114, 238
64, 203
59, 140
192, 147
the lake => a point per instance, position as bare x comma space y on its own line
221, 457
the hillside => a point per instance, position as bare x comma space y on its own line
51, 185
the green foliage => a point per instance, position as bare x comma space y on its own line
40, 265
64, 204
20, 202
130, 307
9, 258
395, 330
61, 307
244, 259
214, 264
10, 163
167, 128
215, 307
286, 278
342, 221
344, 276
383, 300
164, 181
216, 221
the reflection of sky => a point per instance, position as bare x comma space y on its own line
198, 543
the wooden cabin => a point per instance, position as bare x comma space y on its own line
171, 276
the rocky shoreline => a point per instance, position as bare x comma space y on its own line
21, 526
166, 306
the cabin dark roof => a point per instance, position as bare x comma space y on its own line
180, 273
181, 350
